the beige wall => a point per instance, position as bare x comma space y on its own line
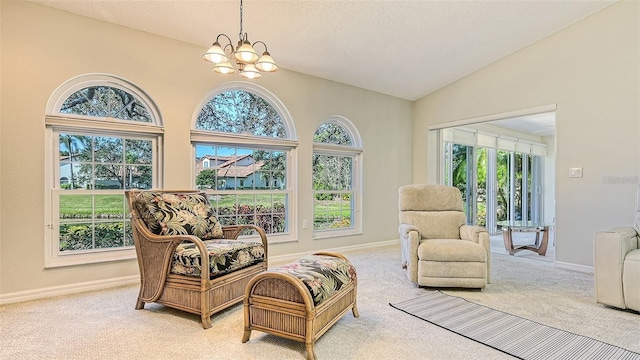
42, 48
591, 71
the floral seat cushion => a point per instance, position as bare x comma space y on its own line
179, 213
323, 275
225, 256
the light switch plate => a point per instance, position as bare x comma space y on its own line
575, 172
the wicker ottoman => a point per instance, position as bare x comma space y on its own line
291, 302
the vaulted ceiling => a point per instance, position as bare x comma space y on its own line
406, 49
402, 48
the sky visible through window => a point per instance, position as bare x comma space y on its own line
202, 150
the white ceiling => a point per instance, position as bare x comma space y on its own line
538, 124
406, 49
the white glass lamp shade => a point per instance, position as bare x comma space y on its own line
246, 53
250, 72
266, 63
215, 54
224, 68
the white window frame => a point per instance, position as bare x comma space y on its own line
56, 123
288, 145
356, 152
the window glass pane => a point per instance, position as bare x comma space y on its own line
241, 112
99, 163
109, 207
138, 176
256, 197
138, 151
333, 198
76, 236
333, 134
105, 101
108, 149
332, 211
74, 207
70, 177
109, 235
279, 180
346, 169
109, 176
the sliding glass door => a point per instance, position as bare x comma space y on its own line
497, 183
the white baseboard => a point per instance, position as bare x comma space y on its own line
43, 293
67, 289
574, 267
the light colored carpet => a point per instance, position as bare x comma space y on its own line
105, 325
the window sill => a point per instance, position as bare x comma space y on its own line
61, 260
326, 234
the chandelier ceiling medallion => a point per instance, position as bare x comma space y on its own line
247, 60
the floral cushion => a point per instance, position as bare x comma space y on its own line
225, 256
323, 275
178, 214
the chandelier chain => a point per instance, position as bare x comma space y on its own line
241, 37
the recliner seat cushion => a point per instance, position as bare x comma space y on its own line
451, 250
427, 270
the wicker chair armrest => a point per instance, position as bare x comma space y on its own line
233, 231
155, 256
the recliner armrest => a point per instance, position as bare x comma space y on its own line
610, 249
479, 235
472, 232
621, 239
404, 230
409, 241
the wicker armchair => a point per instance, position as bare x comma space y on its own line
175, 244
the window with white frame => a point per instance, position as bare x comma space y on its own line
247, 138
103, 136
337, 169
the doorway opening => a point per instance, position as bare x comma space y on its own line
505, 170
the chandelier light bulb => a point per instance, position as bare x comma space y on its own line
215, 54
266, 63
246, 53
224, 68
250, 72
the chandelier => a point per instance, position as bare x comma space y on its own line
247, 60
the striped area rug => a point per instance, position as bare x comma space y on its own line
516, 336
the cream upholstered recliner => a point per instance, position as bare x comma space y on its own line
438, 248
617, 265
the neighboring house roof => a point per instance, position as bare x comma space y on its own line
230, 166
